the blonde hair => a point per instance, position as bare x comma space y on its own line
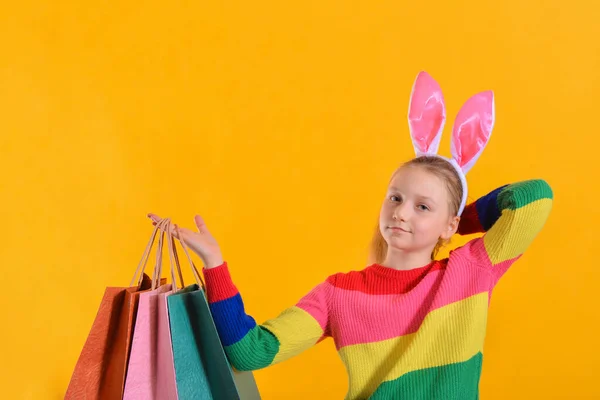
443, 170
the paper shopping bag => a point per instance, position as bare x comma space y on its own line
201, 367
190, 371
100, 370
150, 373
142, 372
165, 369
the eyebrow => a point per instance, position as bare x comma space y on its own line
427, 199
395, 189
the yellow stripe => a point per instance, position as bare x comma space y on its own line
515, 230
451, 334
296, 330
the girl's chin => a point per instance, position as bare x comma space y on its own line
398, 243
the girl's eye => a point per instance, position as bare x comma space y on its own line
395, 198
423, 207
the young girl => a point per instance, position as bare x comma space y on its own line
407, 326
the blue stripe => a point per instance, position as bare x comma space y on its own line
231, 320
487, 208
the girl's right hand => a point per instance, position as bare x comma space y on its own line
202, 242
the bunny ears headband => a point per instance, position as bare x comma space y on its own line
470, 134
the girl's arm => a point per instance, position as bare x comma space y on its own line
511, 217
250, 346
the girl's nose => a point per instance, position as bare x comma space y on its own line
400, 212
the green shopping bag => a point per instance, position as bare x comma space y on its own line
202, 370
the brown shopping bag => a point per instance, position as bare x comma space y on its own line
100, 371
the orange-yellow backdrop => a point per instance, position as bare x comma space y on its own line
280, 123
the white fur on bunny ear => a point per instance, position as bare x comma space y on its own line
426, 115
472, 129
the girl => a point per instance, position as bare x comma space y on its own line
407, 326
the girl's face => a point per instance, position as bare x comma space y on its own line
416, 211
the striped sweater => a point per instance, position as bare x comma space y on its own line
401, 334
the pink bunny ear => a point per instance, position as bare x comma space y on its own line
426, 114
472, 129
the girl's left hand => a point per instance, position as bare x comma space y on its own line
201, 242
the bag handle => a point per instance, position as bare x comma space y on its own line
159, 254
197, 276
175, 255
166, 227
173, 258
145, 256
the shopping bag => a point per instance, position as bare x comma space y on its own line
201, 366
142, 372
99, 373
190, 371
150, 374
202, 370
166, 387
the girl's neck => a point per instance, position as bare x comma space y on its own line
406, 261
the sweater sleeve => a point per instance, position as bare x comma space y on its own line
250, 346
510, 217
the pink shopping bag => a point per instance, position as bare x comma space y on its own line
165, 376
151, 373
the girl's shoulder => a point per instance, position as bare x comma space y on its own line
472, 253
352, 279
378, 279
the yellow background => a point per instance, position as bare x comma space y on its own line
281, 123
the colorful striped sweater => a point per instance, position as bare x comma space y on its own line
413, 334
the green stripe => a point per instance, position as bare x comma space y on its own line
254, 351
520, 194
458, 381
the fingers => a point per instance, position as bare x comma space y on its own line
177, 231
154, 218
163, 222
199, 223
184, 232
170, 228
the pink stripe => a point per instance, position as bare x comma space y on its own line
501, 268
365, 318
475, 252
316, 303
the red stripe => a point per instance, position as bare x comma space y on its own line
469, 221
219, 285
377, 279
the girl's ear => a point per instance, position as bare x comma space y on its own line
451, 229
